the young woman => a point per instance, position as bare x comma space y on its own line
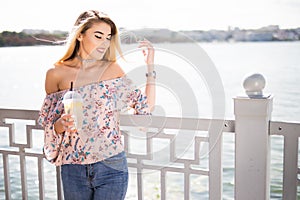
92, 158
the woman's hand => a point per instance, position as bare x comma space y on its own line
149, 55
64, 123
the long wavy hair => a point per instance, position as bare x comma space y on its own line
82, 24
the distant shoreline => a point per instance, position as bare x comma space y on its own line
32, 37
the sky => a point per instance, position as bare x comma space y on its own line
16, 15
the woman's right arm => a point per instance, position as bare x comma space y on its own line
65, 121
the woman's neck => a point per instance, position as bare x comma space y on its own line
86, 60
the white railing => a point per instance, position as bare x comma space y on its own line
214, 128
22, 150
252, 128
135, 161
290, 131
291, 170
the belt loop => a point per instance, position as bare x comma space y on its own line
87, 170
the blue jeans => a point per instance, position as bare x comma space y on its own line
104, 180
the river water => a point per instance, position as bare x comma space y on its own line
22, 74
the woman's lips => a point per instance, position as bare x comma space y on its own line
101, 50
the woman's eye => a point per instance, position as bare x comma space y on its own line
108, 39
99, 37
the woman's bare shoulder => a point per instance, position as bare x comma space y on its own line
53, 76
117, 70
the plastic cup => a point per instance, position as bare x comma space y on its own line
73, 105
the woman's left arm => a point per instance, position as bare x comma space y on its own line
151, 74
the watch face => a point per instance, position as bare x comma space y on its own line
153, 74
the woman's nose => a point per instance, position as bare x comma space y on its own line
105, 43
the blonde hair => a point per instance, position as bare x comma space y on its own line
82, 24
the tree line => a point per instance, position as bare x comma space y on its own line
8, 38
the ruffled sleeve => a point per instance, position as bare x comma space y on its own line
134, 97
138, 101
51, 110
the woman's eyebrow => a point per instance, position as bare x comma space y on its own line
101, 33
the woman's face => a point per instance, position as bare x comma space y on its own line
95, 41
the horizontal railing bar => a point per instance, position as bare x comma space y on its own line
276, 128
184, 123
284, 128
141, 156
140, 120
17, 153
19, 114
169, 169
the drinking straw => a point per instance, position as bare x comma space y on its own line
71, 88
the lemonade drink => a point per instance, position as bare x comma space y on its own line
73, 105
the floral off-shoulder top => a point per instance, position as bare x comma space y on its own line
100, 135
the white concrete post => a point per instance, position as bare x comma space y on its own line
252, 160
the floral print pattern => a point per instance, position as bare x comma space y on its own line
100, 135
